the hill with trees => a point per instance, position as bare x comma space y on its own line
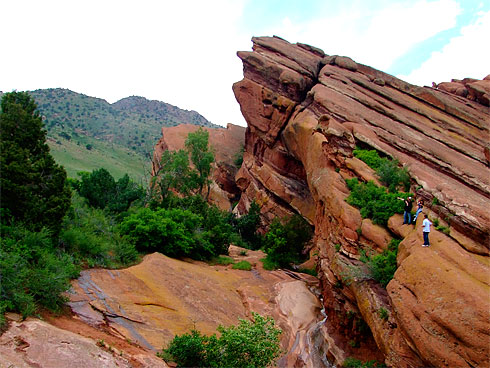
86, 133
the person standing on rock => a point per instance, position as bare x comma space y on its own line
426, 230
407, 210
420, 206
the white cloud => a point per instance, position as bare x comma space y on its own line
371, 34
464, 56
180, 52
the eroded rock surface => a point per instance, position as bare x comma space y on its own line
306, 112
226, 143
161, 297
35, 343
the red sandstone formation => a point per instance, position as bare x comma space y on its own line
226, 143
306, 112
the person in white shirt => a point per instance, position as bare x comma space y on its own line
426, 230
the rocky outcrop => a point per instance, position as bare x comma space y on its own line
36, 343
226, 144
472, 89
148, 304
306, 112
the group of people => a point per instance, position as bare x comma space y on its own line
407, 217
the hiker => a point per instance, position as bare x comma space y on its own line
407, 210
426, 230
420, 205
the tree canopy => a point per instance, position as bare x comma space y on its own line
33, 186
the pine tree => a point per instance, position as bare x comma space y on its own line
33, 187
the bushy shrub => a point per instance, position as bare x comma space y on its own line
32, 271
284, 243
356, 363
374, 202
388, 171
249, 344
383, 266
392, 176
178, 233
103, 191
90, 235
370, 157
242, 265
247, 226
268, 264
222, 260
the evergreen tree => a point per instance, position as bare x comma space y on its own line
33, 187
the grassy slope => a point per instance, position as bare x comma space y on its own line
122, 134
116, 159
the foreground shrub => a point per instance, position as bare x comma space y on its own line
284, 243
251, 344
32, 272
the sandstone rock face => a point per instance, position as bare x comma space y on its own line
148, 304
306, 112
473, 89
35, 343
226, 143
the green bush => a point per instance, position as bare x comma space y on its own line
388, 171
252, 344
247, 226
90, 235
238, 157
374, 202
32, 271
284, 243
268, 264
370, 157
102, 191
443, 229
242, 265
222, 260
383, 313
356, 363
383, 266
178, 233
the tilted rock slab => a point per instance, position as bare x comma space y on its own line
306, 112
149, 303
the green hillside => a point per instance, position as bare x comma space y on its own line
86, 133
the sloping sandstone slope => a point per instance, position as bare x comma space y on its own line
306, 112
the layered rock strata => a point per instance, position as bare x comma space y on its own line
226, 144
306, 112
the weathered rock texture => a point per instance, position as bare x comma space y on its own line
226, 144
148, 304
306, 112
35, 343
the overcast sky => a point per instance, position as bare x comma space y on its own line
183, 52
